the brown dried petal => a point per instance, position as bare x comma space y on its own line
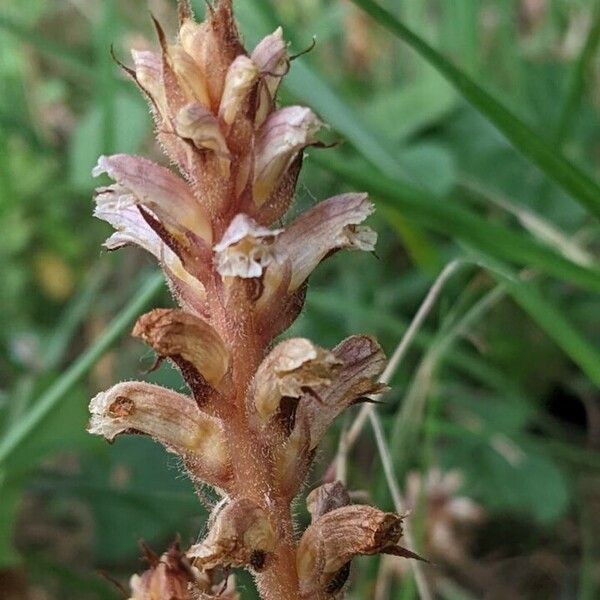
292, 368
241, 536
327, 497
362, 361
171, 418
140, 181
168, 578
334, 539
178, 334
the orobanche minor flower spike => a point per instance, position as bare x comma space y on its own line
256, 413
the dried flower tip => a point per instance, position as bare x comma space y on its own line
240, 78
213, 589
245, 249
292, 368
171, 418
272, 60
241, 536
140, 181
283, 136
327, 497
362, 361
179, 335
169, 577
334, 539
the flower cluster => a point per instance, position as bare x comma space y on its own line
255, 413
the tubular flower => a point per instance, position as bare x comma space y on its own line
254, 417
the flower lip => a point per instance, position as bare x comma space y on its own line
245, 248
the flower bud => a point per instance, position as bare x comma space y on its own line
213, 45
272, 60
190, 76
241, 77
148, 74
198, 124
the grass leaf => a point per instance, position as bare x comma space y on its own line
458, 222
556, 167
40, 411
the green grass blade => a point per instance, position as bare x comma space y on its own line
74, 314
576, 84
52, 397
554, 323
453, 220
66, 55
556, 167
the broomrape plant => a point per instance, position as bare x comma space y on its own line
256, 413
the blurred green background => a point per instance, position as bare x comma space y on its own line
499, 390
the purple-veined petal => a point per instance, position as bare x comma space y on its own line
283, 136
140, 181
132, 228
331, 225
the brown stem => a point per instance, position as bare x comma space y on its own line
253, 478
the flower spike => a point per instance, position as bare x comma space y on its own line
238, 271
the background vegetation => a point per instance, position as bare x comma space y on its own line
483, 151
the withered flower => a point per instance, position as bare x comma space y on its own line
172, 577
338, 533
255, 414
